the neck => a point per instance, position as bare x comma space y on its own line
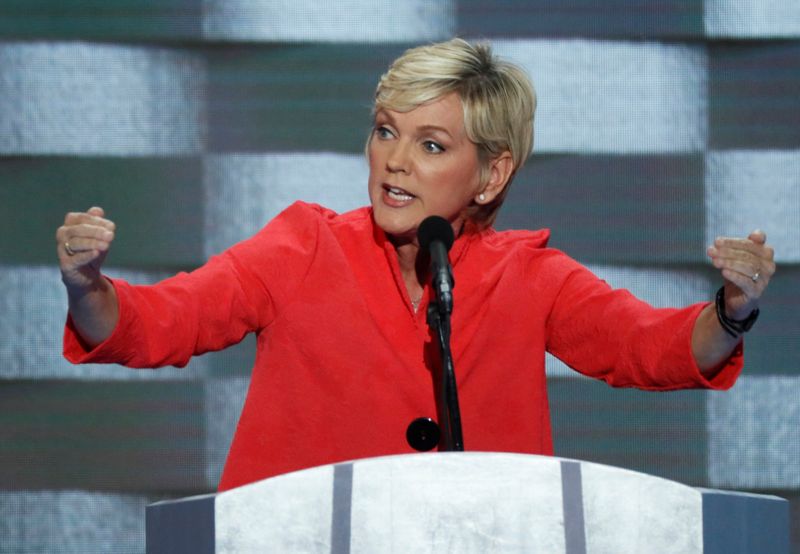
407, 255
413, 268
413, 264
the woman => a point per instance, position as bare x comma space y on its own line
345, 359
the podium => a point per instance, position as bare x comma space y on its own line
469, 502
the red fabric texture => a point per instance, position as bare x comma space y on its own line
344, 364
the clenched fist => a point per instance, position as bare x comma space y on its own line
82, 244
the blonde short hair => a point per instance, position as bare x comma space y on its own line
498, 99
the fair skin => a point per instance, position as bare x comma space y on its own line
738, 261
83, 244
421, 163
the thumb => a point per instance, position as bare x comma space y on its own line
758, 236
96, 210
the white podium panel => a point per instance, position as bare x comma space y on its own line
469, 502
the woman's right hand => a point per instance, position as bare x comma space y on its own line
82, 245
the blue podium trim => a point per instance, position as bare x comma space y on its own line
188, 529
742, 523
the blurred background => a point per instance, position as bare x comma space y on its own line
192, 122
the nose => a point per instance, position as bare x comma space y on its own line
398, 160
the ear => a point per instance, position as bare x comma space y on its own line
500, 170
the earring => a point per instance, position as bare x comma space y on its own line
481, 197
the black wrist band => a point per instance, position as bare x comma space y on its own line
734, 327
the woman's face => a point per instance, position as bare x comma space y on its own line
421, 163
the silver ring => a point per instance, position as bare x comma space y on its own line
71, 252
756, 276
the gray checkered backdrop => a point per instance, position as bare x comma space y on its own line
193, 122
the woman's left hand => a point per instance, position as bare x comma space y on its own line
747, 266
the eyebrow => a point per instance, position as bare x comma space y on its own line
424, 128
435, 128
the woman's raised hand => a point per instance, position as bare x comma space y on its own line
747, 265
82, 245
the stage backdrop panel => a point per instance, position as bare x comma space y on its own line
660, 126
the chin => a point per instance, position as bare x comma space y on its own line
398, 225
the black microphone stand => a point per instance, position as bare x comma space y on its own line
450, 415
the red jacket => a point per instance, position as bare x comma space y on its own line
343, 362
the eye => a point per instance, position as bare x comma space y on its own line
383, 132
432, 147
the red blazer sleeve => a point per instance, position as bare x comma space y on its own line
239, 291
611, 335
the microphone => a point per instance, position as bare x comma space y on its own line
435, 236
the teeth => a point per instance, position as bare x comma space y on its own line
399, 194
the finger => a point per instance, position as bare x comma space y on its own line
742, 259
764, 269
96, 211
746, 267
737, 244
90, 231
758, 236
762, 262
77, 245
757, 253
78, 218
71, 233
742, 250
751, 289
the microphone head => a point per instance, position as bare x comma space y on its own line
435, 228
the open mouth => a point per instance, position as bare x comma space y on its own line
398, 194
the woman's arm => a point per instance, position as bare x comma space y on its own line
747, 266
82, 245
210, 308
